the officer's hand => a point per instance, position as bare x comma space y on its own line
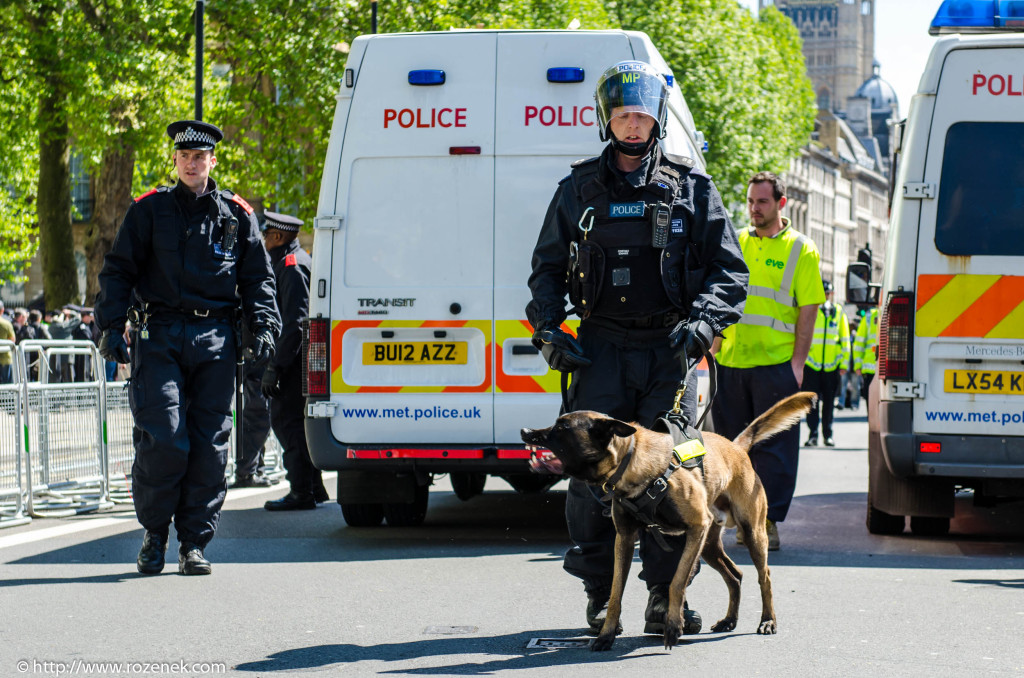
694, 336
269, 385
112, 346
560, 350
263, 346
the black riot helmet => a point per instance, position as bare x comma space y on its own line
627, 87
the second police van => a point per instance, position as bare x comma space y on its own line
445, 151
948, 410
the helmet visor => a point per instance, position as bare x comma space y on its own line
631, 88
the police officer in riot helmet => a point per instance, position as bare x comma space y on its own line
185, 258
642, 245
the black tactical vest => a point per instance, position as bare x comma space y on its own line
615, 269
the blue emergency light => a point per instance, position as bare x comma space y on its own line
565, 74
426, 77
978, 16
669, 79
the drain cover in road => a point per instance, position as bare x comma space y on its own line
559, 642
448, 630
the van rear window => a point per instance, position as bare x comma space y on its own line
981, 194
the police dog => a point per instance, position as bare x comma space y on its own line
591, 447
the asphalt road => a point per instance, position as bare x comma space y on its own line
465, 594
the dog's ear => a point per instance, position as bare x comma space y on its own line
614, 427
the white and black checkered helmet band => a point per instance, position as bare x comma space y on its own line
194, 139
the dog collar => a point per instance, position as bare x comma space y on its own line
609, 485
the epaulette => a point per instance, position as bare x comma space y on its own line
290, 260
583, 161
687, 162
158, 189
238, 200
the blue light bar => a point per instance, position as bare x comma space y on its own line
426, 77
669, 79
565, 74
978, 16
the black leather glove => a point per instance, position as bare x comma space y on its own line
262, 349
694, 336
269, 386
560, 350
112, 346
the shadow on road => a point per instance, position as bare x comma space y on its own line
518, 657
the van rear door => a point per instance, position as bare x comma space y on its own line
541, 128
412, 305
968, 344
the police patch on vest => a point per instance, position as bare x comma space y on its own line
677, 225
620, 210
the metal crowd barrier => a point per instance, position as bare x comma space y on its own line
12, 449
76, 438
66, 463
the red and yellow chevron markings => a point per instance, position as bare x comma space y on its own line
963, 305
549, 382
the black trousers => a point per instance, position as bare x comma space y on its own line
631, 381
743, 395
865, 384
286, 418
825, 384
255, 425
181, 393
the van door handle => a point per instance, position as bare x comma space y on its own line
525, 349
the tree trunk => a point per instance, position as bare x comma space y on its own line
56, 244
112, 193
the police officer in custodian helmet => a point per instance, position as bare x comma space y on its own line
183, 260
654, 270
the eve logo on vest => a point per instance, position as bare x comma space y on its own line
626, 209
775, 264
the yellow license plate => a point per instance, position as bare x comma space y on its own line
984, 381
416, 353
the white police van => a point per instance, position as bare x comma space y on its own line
445, 151
948, 410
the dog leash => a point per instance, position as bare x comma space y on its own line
688, 368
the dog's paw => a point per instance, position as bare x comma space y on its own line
767, 627
672, 634
723, 625
602, 643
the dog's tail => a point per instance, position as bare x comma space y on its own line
777, 419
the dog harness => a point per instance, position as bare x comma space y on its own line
687, 452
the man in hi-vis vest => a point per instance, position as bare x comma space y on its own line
830, 353
761, 358
865, 351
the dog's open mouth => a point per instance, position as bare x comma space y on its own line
544, 461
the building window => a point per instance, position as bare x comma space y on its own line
81, 196
865, 8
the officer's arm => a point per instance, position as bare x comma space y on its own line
256, 278
294, 307
844, 341
804, 336
121, 267
721, 299
551, 261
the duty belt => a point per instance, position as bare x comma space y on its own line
152, 311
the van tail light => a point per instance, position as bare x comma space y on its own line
894, 337
314, 357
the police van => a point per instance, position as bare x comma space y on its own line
445, 151
948, 410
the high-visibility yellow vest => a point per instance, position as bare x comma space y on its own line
865, 344
784, 275
830, 348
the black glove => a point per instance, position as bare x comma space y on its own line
269, 386
694, 336
262, 348
560, 350
112, 346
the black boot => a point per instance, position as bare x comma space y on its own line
320, 492
657, 607
191, 560
293, 501
597, 611
151, 555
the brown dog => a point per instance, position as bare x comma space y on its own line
591, 447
